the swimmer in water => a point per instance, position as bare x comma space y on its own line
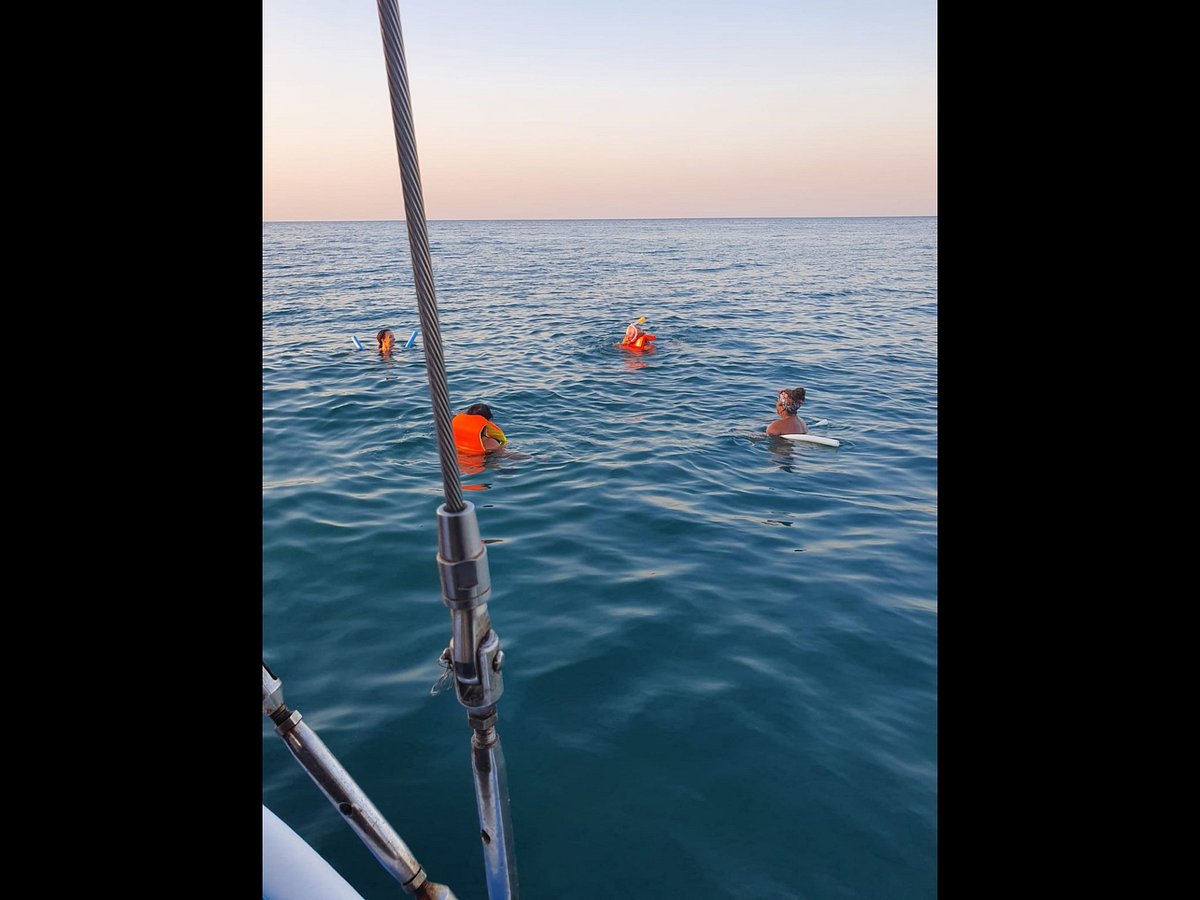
636, 337
475, 432
787, 404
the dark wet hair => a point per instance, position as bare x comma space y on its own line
797, 397
379, 337
479, 409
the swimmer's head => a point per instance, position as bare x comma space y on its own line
789, 400
479, 409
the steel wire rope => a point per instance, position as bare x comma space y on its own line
418, 242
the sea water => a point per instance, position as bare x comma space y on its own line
720, 648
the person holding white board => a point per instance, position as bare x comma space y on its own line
787, 404
790, 426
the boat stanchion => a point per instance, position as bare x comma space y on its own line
476, 662
346, 796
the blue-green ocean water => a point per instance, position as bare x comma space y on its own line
720, 649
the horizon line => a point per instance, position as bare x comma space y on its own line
606, 218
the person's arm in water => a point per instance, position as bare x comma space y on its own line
492, 435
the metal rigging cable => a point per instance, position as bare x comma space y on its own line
418, 243
474, 654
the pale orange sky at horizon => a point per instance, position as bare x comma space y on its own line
774, 109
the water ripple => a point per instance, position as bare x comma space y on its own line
720, 648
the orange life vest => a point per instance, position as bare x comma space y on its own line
469, 432
636, 339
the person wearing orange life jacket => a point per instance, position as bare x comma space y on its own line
475, 432
637, 338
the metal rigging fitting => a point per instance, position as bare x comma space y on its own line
476, 659
346, 796
474, 650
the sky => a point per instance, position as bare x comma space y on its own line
580, 109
